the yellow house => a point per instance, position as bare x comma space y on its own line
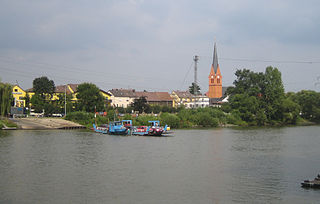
181, 98
70, 89
18, 95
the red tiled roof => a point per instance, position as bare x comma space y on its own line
62, 89
74, 87
123, 92
155, 96
184, 94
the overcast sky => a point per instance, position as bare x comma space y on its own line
150, 44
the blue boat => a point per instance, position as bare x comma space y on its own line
117, 128
103, 130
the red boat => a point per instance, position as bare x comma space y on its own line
146, 130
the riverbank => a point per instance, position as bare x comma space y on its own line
7, 124
44, 123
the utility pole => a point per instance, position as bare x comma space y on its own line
195, 91
65, 101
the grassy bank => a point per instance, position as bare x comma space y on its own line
5, 122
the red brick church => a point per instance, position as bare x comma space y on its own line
215, 78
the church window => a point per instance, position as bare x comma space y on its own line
212, 80
218, 81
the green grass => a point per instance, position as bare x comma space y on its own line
6, 122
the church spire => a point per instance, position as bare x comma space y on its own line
215, 58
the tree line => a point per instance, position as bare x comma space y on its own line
256, 99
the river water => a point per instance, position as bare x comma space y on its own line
193, 166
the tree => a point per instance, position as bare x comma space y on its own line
259, 96
6, 98
37, 103
194, 89
60, 103
89, 97
44, 87
309, 102
140, 104
27, 101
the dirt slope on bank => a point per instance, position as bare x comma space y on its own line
44, 123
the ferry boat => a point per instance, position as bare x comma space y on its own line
312, 184
117, 128
153, 130
100, 129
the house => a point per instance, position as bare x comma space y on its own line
122, 97
189, 100
156, 98
70, 89
19, 96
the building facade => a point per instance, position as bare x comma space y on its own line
189, 100
122, 97
156, 98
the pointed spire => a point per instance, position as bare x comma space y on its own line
215, 58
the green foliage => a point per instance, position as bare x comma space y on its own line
170, 119
60, 103
194, 89
309, 102
89, 97
7, 123
37, 103
86, 119
43, 87
259, 99
143, 120
156, 109
41, 100
6, 98
141, 105
129, 109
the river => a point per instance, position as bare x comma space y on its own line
225, 165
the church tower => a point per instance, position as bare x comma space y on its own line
215, 78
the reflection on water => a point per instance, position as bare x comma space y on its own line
194, 166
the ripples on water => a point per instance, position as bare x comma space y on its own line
193, 166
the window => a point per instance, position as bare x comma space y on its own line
218, 81
212, 81
15, 90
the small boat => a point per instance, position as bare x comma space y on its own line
103, 130
117, 128
140, 130
153, 130
311, 184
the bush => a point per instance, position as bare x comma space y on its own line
170, 119
143, 120
206, 120
86, 119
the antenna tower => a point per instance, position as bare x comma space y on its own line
195, 58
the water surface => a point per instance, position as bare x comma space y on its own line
194, 166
